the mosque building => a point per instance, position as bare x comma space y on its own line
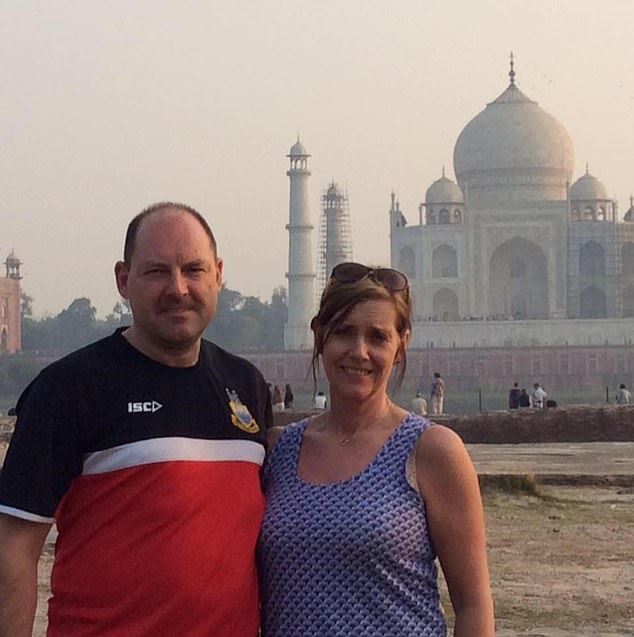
512, 253
516, 247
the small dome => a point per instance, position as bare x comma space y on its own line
587, 188
298, 150
13, 257
444, 190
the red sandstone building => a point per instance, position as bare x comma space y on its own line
10, 328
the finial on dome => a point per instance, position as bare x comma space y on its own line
443, 170
512, 72
587, 168
631, 201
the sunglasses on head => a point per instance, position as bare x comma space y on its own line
353, 272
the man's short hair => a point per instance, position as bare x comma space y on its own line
134, 225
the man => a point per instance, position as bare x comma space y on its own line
320, 401
623, 396
419, 404
145, 448
538, 396
437, 394
514, 396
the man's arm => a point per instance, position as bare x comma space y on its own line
21, 543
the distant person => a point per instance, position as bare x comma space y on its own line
437, 395
524, 399
145, 449
514, 396
320, 401
419, 404
278, 398
623, 395
538, 396
288, 397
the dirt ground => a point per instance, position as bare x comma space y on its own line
562, 563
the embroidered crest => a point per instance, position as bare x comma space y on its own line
240, 415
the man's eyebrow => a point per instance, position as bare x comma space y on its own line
201, 261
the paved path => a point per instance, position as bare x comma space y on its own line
565, 458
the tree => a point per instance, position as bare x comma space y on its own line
26, 305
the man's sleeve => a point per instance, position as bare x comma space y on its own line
44, 454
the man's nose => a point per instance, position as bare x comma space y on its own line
178, 284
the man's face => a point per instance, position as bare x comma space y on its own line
172, 284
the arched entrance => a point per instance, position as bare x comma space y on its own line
592, 303
446, 305
518, 281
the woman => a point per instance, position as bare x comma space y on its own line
363, 497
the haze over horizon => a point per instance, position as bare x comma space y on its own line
106, 108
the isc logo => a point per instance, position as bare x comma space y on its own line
149, 406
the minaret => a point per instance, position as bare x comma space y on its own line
301, 276
335, 236
338, 239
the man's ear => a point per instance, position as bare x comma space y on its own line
121, 275
219, 265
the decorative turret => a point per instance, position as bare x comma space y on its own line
444, 202
589, 200
12, 265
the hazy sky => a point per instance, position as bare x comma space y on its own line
106, 107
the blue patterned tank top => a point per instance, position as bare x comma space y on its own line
350, 558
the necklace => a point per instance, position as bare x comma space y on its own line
345, 441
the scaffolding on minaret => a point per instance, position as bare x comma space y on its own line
334, 244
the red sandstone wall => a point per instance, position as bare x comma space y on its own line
486, 368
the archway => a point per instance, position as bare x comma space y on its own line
628, 302
446, 305
627, 258
518, 281
592, 303
407, 261
591, 259
444, 262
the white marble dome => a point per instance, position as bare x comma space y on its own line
444, 190
298, 150
587, 188
513, 151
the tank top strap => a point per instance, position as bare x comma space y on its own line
401, 444
282, 459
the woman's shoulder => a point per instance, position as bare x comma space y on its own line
274, 434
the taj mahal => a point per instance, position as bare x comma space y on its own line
515, 252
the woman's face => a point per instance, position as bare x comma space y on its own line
360, 354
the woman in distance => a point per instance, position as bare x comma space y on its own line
362, 498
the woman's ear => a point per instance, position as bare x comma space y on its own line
405, 338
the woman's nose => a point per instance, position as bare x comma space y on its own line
360, 347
